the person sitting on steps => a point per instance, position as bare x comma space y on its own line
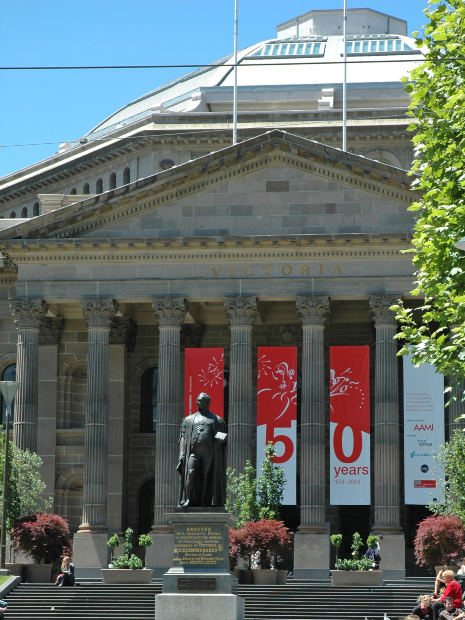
452, 590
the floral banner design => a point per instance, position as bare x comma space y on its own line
277, 411
349, 392
204, 372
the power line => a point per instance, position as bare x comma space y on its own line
226, 65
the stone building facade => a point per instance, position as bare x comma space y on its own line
153, 233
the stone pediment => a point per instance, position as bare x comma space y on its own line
274, 184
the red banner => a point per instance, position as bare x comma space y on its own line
349, 385
277, 411
204, 372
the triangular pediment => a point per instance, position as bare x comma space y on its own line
274, 184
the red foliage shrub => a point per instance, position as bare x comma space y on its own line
268, 536
43, 537
439, 540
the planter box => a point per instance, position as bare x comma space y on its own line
15, 568
244, 575
126, 575
264, 576
38, 573
281, 577
356, 577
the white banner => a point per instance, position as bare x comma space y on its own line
423, 432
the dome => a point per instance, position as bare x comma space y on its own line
290, 71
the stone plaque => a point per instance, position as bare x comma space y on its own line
200, 584
199, 546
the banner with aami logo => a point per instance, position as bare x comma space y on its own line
277, 411
349, 385
204, 372
423, 432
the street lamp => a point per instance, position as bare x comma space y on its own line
8, 390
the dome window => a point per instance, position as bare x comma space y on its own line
113, 180
24, 212
291, 49
35, 209
99, 186
126, 176
379, 46
86, 189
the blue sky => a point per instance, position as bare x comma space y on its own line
39, 107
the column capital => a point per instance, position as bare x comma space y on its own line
123, 330
240, 310
51, 330
380, 308
99, 312
312, 309
27, 313
169, 311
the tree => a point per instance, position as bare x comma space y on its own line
26, 489
270, 485
439, 540
451, 459
435, 332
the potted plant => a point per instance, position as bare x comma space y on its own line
439, 541
128, 567
268, 541
44, 538
355, 570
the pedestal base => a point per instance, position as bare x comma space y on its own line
392, 553
311, 553
199, 606
90, 553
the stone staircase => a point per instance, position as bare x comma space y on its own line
298, 599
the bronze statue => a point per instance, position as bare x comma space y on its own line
201, 457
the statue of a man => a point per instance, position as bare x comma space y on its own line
201, 457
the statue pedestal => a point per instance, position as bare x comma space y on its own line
200, 585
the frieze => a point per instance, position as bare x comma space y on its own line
312, 309
169, 311
241, 310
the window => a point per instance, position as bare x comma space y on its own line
12, 215
291, 49
99, 186
126, 176
148, 400
86, 189
9, 374
112, 183
378, 46
72, 190
35, 209
24, 212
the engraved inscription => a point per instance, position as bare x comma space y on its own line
277, 270
198, 546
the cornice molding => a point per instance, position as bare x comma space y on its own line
308, 247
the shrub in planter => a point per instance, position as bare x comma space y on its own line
439, 540
43, 537
128, 559
268, 536
355, 563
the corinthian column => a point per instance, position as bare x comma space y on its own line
241, 313
170, 313
98, 314
311, 551
386, 444
27, 314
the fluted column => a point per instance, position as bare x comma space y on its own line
312, 311
241, 313
386, 421
27, 314
170, 313
98, 314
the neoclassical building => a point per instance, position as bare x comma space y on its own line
154, 233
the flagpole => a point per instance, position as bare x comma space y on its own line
235, 76
344, 81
